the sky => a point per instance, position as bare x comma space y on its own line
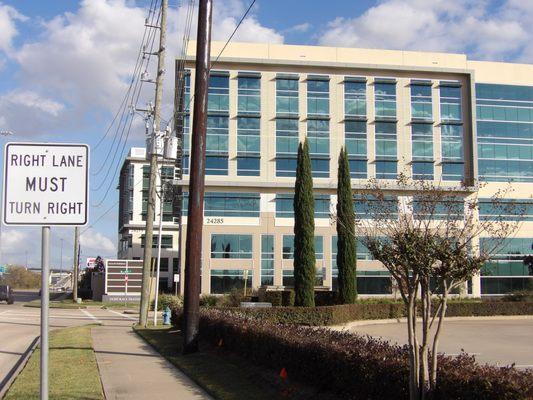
66, 65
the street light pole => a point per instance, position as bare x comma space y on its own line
61, 262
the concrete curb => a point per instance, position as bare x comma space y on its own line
354, 324
17, 368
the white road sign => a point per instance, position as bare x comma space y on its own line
45, 184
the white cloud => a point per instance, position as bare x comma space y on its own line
299, 28
8, 29
13, 240
472, 26
84, 60
30, 99
94, 242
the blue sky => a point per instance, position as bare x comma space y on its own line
64, 67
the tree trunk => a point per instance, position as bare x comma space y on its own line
413, 347
434, 350
424, 357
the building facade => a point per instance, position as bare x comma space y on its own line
133, 197
433, 116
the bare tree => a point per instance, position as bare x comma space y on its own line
427, 237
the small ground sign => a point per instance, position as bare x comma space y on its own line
46, 184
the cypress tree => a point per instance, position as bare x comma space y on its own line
304, 231
346, 251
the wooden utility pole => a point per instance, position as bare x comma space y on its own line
153, 156
75, 269
195, 216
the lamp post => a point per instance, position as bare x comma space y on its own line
3, 133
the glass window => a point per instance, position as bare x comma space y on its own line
385, 103
422, 141
287, 96
421, 101
285, 206
355, 98
248, 135
217, 134
506, 271
386, 150
216, 165
505, 133
370, 207
267, 260
232, 204
218, 99
450, 208
286, 166
226, 280
386, 146
166, 241
318, 136
231, 246
249, 94
355, 138
506, 209
450, 103
423, 170
320, 167
318, 96
288, 247
248, 166
452, 152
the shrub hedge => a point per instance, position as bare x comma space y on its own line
336, 315
353, 366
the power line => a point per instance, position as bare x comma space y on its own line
139, 57
133, 104
134, 84
224, 47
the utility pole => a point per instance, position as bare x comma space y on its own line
153, 155
195, 218
76, 263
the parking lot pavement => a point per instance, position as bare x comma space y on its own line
496, 341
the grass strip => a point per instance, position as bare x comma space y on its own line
224, 377
73, 372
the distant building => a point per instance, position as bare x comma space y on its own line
434, 116
133, 195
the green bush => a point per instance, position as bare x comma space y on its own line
233, 299
353, 366
277, 298
370, 309
379, 309
168, 300
521, 295
209, 300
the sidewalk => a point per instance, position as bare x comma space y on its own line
131, 369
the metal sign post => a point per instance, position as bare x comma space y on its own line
45, 184
45, 297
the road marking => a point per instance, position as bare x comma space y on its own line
91, 316
123, 315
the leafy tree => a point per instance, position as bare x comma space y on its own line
304, 231
428, 240
346, 241
19, 277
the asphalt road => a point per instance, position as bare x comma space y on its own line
496, 341
20, 325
